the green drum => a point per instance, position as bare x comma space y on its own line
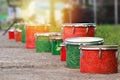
23, 34
55, 44
43, 42
72, 48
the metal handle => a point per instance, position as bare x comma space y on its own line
94, 30
80, 44
87, 30
117, 53
73, 30
101, 42
100, 53
62, 30
81, 54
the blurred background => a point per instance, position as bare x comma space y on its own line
60, 11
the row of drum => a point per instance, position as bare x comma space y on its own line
77, 46
86, 53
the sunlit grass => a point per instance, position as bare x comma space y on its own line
110, 33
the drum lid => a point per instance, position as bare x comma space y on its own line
84, 40
12, 30
100, 47
18, 30
20, 23
79, 24
55, 37
54, 33
48, 34
41, 34
62, 44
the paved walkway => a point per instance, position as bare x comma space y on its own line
19, 63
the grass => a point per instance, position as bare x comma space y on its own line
4, 25
110, 33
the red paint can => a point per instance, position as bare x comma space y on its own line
11, 34
63, 52
78, 30
100, 59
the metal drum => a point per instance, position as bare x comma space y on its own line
99, 59
43, 28
63, 52
43, 42
78, 30
31, 30
72, 49
30, 38
55, 44
18, 27
18, 35
23, 33
11, 34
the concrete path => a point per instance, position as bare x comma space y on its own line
19, 63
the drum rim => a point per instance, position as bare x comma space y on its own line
79, 24
56, 37
11, 30
62, 44
41, 34
85, 43
18, 30
97, 39
99, 47
47, 34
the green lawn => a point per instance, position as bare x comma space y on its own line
111, 35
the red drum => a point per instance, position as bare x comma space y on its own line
78, 30
63, 52
18, 35
30, 31
30, 38
11, 34
99, 59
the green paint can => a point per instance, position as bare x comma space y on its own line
55, 44
43, 42
73, 49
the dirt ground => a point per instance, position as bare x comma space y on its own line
19, 63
